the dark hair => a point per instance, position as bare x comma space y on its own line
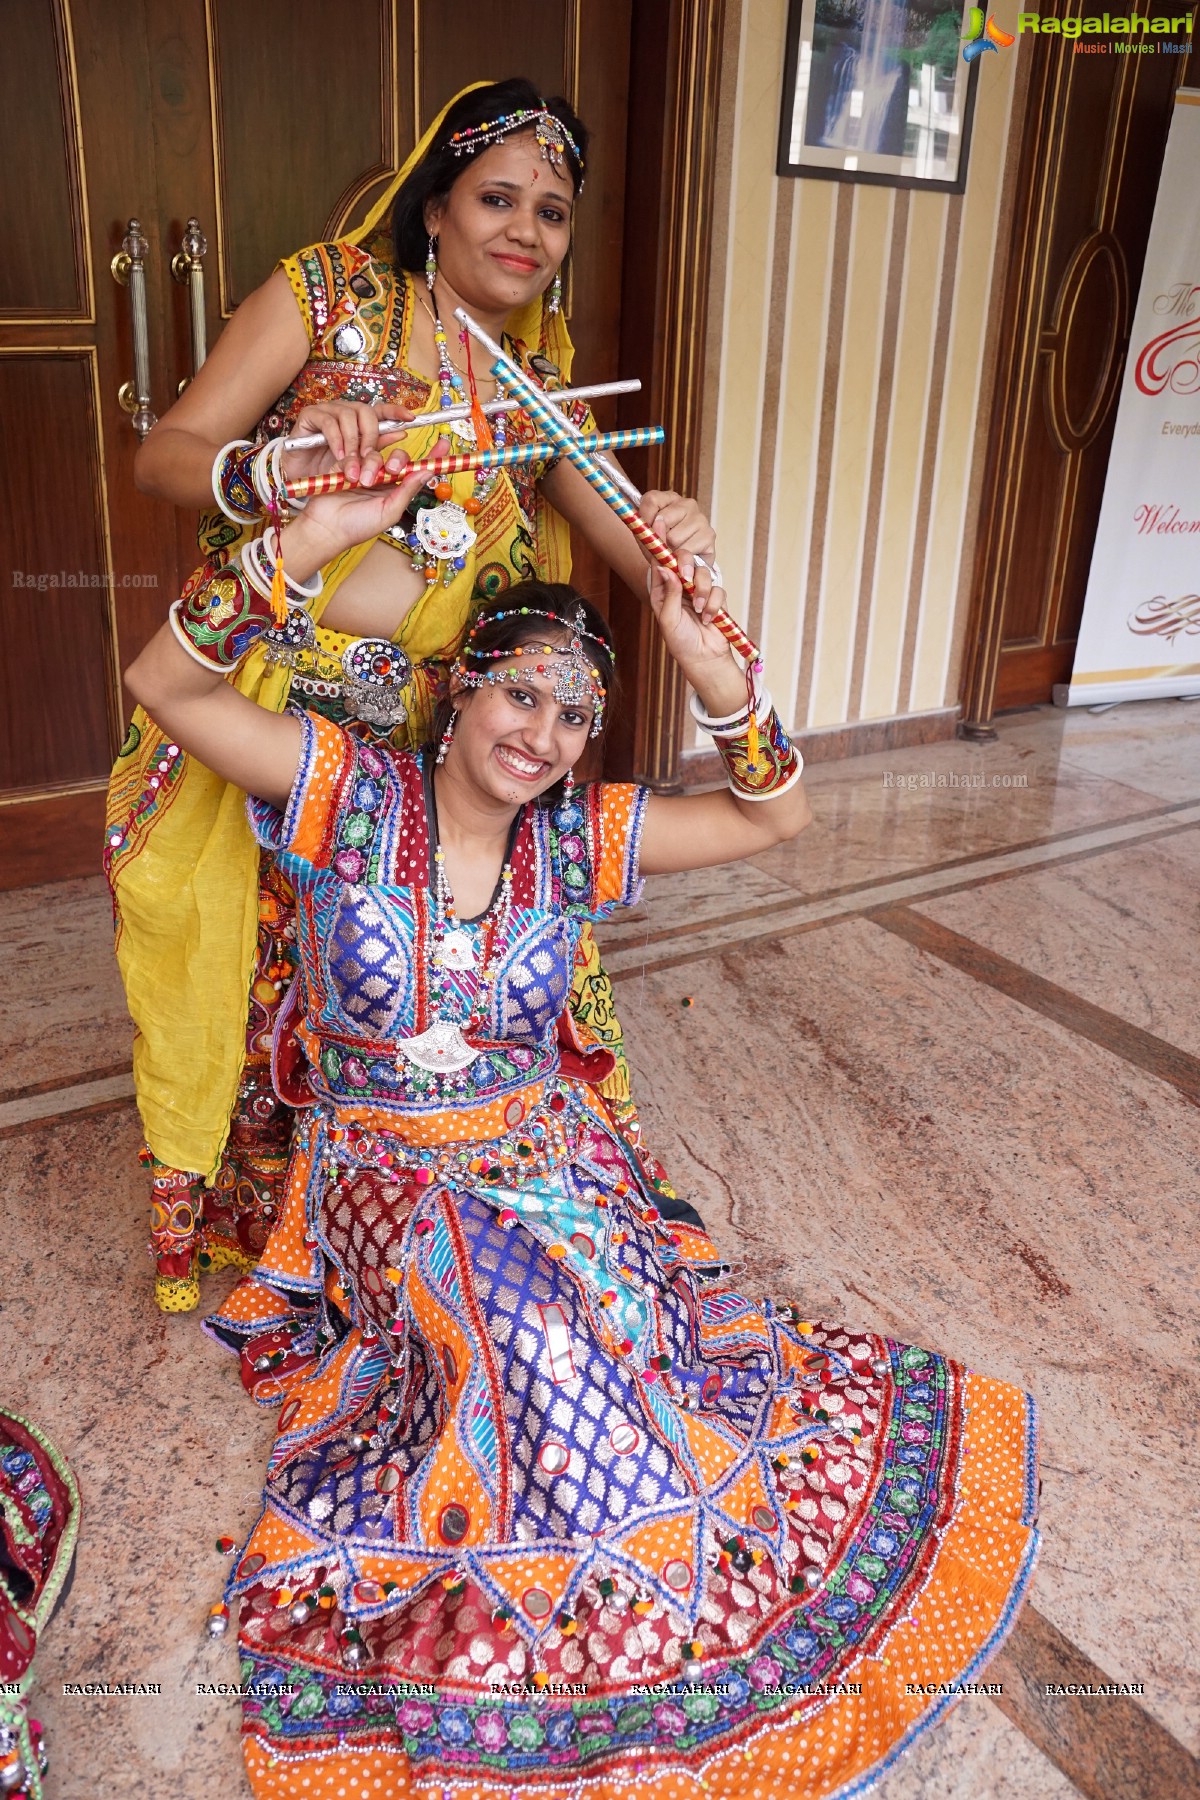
498, 624
440, 168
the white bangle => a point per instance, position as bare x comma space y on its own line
793, 778
270, 480
239, 518
735, 723
714, 569
257, 574
264, 471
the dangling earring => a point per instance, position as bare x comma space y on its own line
431, 263
568, 793
556, 292
447, 737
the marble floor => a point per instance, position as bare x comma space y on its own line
954, 1032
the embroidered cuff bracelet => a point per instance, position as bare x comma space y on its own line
777, 766
233, 482
221, 619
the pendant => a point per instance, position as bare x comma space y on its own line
458, 950
293, 638
444, 531
375, 674
442, 1049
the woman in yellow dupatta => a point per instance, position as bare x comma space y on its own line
203, 927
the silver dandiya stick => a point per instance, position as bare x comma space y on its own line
506, 457
599, 475
450, 415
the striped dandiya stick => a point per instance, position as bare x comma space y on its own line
450, 415
634, 437
575, 448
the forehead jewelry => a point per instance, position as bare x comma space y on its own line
575, 679
577, 624
553, 138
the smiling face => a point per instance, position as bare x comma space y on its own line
514, 739
504, 227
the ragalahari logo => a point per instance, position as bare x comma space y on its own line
979, 37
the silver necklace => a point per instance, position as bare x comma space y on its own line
442, 1048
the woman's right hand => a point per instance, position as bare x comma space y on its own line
351, 432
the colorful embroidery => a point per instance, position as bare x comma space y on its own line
551, 1499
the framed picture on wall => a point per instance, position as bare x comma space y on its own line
878, 91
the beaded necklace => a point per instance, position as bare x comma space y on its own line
441, 533
455, 1013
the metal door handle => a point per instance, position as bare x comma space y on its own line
129, 269
187, 265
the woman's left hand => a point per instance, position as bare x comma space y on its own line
694, 642
681, 524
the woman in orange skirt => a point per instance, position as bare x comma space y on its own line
554, 1507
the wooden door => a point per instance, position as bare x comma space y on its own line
271, 128
80, 543
1093, 140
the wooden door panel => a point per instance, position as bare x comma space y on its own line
56, 717
261, 125
489, 40
118, 83
43, 273
289, 143
79, 77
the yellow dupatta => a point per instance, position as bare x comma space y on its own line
181, 859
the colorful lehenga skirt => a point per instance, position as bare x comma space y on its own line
551, 1522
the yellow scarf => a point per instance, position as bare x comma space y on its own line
182, 861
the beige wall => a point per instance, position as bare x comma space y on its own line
847, 346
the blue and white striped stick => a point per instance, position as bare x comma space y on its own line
564, 438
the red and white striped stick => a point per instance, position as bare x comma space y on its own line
510, 456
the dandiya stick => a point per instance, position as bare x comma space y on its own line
511, 456
574, 448
452, 414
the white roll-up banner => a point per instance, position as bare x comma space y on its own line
1140, 635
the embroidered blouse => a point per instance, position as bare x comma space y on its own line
355, 842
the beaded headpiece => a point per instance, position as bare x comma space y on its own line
576, 679
552, 135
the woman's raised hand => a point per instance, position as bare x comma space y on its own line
351, 431
331, 523
692, 639
681, 524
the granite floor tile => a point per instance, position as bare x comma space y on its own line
692, 898
1116, 928
880, 815
1075, 1713
169, 1451
1152, 745
897, 1145
974, 1753
64, 1010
